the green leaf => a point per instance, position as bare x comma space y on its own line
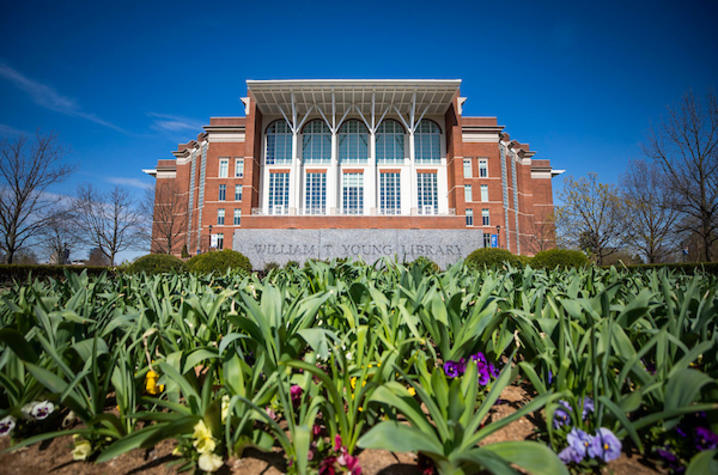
683, 388
703, 463
17, 343
534, 457
395, 437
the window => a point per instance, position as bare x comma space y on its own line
467, 193
315, 196
389, 193
487, 240
469, 217
485, 217
220, 216
353, 193
353, 140
220, 241
222, 192
278, 193
427, 142
484, 192
237, 192
237, 217
483, 168
223, 167
390, 142
426, 193
279, 143
316, 142
467, 168
239, 168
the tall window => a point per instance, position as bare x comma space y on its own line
278, 193
237, 217
390, 193
315, 196
316, 142
467, 193
485, 217
353, 193
427, 142
469, 217
390, 142
487, 240
353, 140
467, 168
484, 192
220, 216
222, 192
279, 143
239, 168
220, 241
483, 168
223, 167
426, 193
237, 192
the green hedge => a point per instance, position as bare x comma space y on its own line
9, 272
219, 261
559, 258
491, 257
683, 267
157, 264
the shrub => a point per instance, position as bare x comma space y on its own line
219, 261
156, 264
425, 263
270, 266
9, 272
559, 258
490, 257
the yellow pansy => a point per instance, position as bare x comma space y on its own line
151, 386
411, 391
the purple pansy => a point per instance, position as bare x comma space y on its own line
667, 456
569, 455
579, 441
562, 415
706, 439
454, 369
588, 407
550, 377
605, 445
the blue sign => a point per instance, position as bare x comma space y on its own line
494, 240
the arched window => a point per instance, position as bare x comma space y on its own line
279, 143
353, 142
316, 142
427, 142
389, 142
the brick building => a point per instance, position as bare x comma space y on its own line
359, 154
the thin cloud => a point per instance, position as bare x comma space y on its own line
47, 97
133, 182
174, 123
7, 131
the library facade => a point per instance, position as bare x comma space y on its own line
352, 168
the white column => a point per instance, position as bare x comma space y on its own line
370, 183
295, 179
333, 179
413, 203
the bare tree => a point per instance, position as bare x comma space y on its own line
26, 171
648, 212
591, 216
167, 211
59, 235
686, 149
109, 221
543, 233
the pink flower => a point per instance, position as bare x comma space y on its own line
337, 442
352, 464
296, 394
270, 412
316, 430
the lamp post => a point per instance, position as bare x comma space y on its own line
209, 243
498, 234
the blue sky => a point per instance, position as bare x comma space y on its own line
122, 83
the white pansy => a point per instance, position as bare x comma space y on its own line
82, 449
40, 410
7, 424
210, 462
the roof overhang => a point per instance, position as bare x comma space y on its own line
337, 96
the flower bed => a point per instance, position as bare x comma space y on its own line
323, 364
